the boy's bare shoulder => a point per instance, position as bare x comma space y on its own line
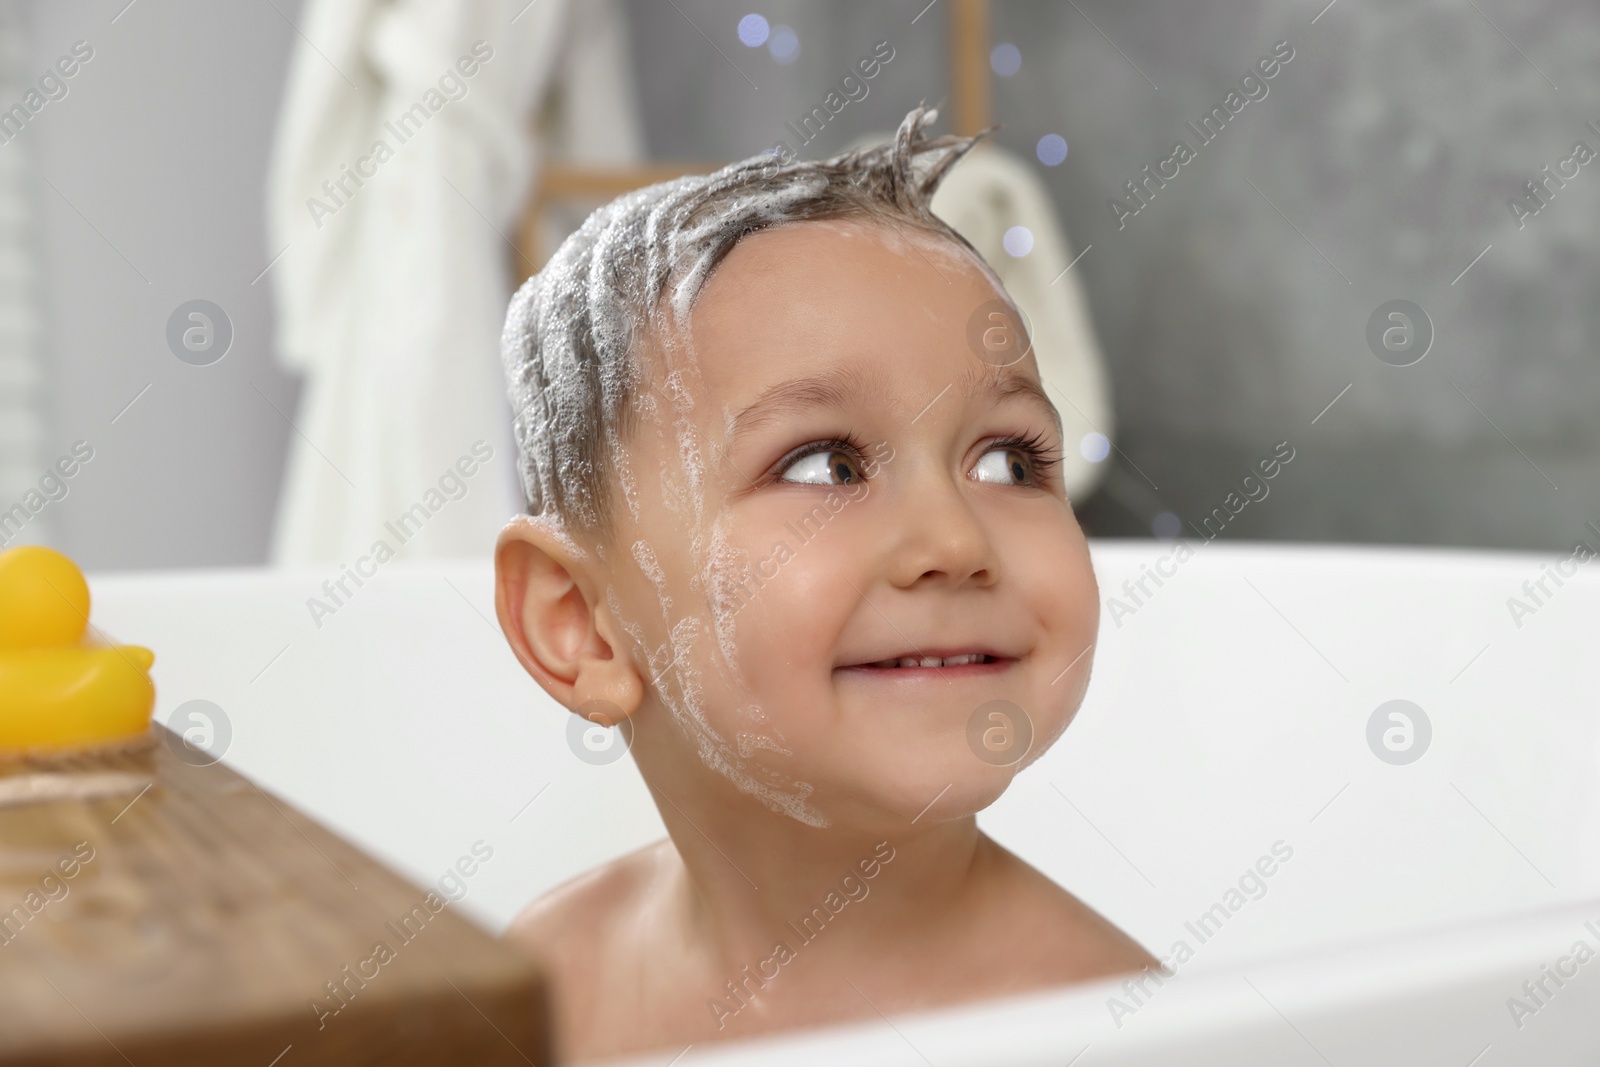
579, 931
1067, 937
575, 914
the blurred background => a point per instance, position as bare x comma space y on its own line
1389, 160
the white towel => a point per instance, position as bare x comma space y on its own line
392, 305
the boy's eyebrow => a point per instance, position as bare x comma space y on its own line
834, 388
1004, 386
839, 387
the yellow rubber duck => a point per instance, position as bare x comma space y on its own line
62, 690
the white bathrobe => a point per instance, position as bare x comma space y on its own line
392, 293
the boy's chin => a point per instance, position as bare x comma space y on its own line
925, 800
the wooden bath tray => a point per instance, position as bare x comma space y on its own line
201, 922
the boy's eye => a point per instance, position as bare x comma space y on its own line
1007, 466
825, 467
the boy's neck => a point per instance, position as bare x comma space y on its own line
749, 876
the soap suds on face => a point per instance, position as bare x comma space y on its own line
645, 557
723, 578
748, 743
687, 707
778, 794
715, 566
693, 468
682, 398
629, 627
673, 496
553, 526
623, 468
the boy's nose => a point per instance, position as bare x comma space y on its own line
939, 536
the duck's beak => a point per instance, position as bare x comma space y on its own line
139, 657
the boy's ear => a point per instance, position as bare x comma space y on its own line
546, 604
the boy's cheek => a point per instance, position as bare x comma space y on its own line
1058, 582
786, 631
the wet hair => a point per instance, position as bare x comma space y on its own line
572, 329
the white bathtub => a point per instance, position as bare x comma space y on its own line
1228, 711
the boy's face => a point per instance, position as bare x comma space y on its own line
825, 481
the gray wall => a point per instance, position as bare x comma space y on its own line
157, 159
1390, 143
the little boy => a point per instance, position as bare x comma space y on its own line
795, 517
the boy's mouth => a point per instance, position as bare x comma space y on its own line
965, 661
933, 661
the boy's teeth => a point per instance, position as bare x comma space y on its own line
933, 661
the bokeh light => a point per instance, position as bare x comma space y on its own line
784, 44
753, 31
1018, 241
1006, 60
